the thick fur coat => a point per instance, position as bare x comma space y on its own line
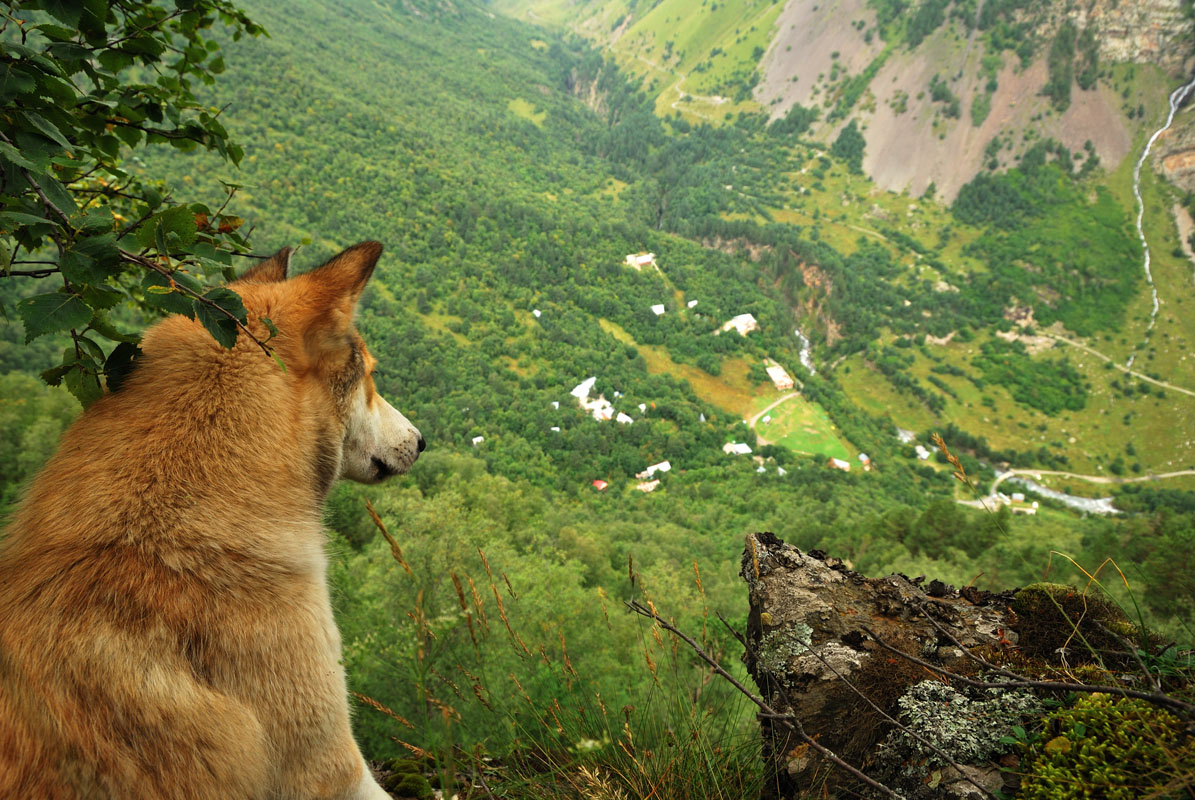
165, 626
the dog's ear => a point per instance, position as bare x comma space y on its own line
331, 293
270, 270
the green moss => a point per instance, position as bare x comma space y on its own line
1113, 748
407, 780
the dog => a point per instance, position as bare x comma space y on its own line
165, 624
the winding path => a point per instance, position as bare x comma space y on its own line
1124, 369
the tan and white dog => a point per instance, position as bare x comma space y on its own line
165, 626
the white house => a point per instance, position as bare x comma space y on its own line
658, 309
623, 418
922, 453
647, 486
736, 449
780, 378
865, 460
743, 323
582, 389
691, 303
478, 440
641, 260
535, 313
838, 463
663, 466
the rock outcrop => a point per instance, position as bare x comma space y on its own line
892, 675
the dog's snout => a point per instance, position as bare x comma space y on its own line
422, 444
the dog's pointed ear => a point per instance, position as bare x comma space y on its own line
332, 292
270, 270
343, 278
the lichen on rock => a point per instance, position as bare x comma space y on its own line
945, 725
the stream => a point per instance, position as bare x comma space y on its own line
1176, 100
806, 352
1096, 505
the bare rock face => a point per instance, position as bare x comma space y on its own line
813, 649
1173, 154
1153, 31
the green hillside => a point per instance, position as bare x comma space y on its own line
509, 171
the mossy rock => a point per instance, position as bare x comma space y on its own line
407, 780
1053, 616
1112, 748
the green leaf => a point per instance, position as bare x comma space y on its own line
11, 154
101, 325
277, 360
80, 268
65, 11
14, 81
177, 220
230, 301
54, 375
11, 220
120, 364
99, 295
46, 313
46, 128
57, 194
97, 220
84, 384
160, 294
222, 329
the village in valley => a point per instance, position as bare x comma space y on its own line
776, 412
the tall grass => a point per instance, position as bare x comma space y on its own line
508, 710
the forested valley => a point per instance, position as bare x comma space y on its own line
509, 171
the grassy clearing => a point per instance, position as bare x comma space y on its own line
732, 391
525, 109
805, 428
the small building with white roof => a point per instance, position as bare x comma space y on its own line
640, 260
780, 378
743, 323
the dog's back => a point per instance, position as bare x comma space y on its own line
165, 629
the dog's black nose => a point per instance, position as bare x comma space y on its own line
422, 444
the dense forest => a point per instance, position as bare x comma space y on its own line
509, 172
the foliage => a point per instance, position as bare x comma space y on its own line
849, 147
1048, 231
1114, 747
1061, 64
794, 123
83, 85
1049, 386
929, 16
